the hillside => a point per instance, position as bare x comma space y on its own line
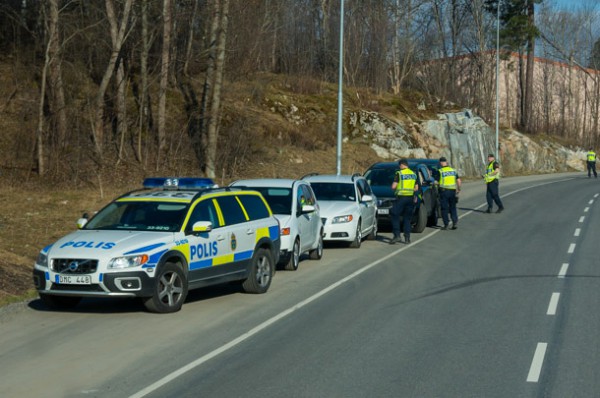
274, 126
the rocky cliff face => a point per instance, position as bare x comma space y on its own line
465, 139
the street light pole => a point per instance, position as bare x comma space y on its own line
340, 93
497, 75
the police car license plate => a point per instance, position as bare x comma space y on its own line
383, 211
75, 279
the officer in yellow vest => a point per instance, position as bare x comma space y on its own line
449, 188
491, 177
405, 187
591, 163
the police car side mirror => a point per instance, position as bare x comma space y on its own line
81, 222
367, 198
202, 226
307, 209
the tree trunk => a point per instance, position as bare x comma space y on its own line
55, 81
216, 98
528, 105
118, 34
164, 79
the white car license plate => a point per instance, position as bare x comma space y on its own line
383, 211
75, 279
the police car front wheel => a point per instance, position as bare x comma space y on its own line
169, 291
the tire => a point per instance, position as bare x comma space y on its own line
317, 254
261, 272
59, 302
357, 237
294, 261
373, 234
421, 220
170, 290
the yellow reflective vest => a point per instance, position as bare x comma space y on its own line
406, 182
488, 175
591, 156
448, 178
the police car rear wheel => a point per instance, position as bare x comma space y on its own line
294, 261
59, 302
170, 290
261, 272
317, 254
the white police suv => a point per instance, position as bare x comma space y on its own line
158, 242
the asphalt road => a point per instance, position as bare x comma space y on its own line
505, 306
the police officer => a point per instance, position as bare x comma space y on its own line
404, 186
449, 188
491, 177
591, 163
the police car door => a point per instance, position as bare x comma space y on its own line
241, 233
206, 249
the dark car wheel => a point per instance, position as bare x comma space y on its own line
421, 220
170, 290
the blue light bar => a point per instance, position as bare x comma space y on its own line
179, 183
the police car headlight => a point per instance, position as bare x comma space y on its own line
127, 261
42, 260
342, 219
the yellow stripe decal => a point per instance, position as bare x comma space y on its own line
262, 233
228, 258
243, 208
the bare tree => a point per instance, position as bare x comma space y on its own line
164, 78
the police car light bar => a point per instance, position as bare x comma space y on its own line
179, 183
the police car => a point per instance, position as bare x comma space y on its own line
158, 242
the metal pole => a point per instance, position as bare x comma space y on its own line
497, 76
340, 84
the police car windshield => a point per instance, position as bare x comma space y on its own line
140, 216
279, 199
334, 191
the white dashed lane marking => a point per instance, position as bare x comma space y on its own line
536, 363
563, 270
581, 219
571, 248
553, 304
586, 209
577, 231
591, 201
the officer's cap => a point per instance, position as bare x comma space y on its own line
403, 161
443, 159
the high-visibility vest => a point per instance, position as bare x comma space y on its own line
488, 175
591, 156
406, 182
448, 178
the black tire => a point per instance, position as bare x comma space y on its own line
357, 237
170, 290
373, 234
421, 220
59, 302
294, 261
261, 272
317, 254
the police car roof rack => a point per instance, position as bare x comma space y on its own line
309, 175
217, 189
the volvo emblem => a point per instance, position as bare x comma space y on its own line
73, 266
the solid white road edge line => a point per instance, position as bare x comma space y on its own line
536, 363
175, 374
553, 304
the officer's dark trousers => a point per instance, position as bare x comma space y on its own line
592, 167
448, 205
403, 207
492, 195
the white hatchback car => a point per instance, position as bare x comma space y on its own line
294, 204
348, 207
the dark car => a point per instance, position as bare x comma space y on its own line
381, 176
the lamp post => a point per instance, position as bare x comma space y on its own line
340, 85
497, 75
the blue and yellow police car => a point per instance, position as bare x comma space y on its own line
156, 243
